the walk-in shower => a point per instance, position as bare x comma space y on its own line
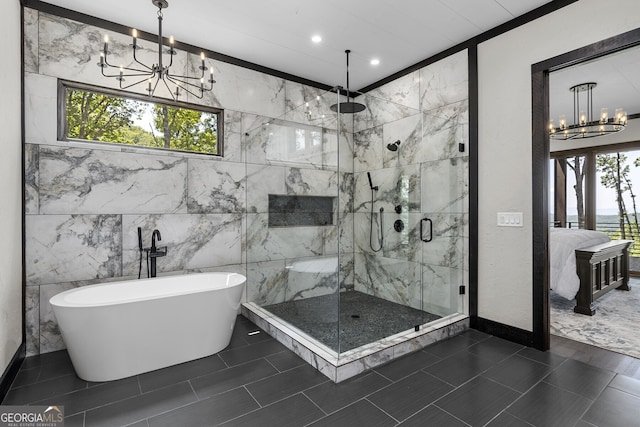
343, 294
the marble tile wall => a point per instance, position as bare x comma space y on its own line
84, 202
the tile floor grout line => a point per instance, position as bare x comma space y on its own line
383, 411
505, 385
450, 414
252, 396
315, 404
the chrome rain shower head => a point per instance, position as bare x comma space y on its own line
348, 107
394, 146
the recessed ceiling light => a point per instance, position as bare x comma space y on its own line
316, 39
375, 61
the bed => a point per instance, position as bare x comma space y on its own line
586, 264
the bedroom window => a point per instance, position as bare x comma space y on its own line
104, 116
598, 189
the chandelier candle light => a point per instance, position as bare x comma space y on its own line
584, 126
154, 74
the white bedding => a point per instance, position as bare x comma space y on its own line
562, 259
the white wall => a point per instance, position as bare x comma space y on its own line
504, 145
11, 187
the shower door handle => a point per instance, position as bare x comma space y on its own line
422, 221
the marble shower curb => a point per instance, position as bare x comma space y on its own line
353, 362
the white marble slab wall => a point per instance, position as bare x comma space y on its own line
84, 202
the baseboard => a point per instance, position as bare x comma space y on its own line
500, 330
12, 370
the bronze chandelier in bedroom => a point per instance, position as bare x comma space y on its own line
584, 125
156, 73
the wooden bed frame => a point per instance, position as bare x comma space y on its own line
601, 268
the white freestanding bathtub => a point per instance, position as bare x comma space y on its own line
117, 330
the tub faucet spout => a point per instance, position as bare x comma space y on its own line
156, 233
155, 252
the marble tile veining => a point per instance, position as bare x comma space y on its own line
30, 26
192, 241
216, 187
62, 248
75, 180
31, 179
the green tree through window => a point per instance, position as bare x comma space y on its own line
106, 117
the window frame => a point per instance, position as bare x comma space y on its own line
64, 85
590, 154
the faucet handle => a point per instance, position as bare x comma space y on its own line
159, 252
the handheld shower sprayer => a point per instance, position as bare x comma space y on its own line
141, 249
380, 236
371, 183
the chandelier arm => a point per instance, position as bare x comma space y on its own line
173, 95
185, 78
109, 65
133, 84
177, 81
141, 74
135, 71
138, 62
184, 84
155, 86
170, 57
185, 87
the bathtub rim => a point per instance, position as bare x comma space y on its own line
60, 299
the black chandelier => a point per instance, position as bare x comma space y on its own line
156, 73
584, 126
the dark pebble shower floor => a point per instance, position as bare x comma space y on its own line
363, 318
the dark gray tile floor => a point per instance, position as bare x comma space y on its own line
362, 318
470, 380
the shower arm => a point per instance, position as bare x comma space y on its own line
348, 91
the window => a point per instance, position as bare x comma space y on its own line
102, 115
596, 188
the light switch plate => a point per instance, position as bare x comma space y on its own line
510, 219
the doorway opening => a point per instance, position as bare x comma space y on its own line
541, 165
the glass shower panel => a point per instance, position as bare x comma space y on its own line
443, 229
293, 216
387, 211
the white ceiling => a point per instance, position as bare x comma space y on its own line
400, 33
618, 84
277, 33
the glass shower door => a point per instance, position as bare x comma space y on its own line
292, 217
443, 229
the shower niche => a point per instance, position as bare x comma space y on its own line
314, 281
298, 211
